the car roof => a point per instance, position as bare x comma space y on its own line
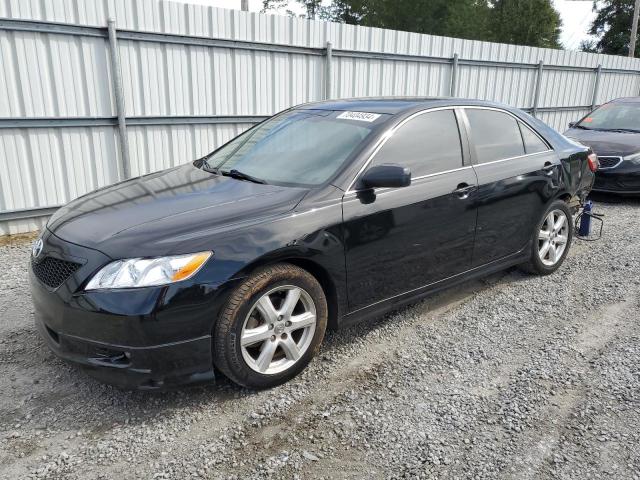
405, 106
395, 105
626, 100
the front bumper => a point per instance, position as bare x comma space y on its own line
139, 368
146, 338
624, 179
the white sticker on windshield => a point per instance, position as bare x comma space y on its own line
360, 116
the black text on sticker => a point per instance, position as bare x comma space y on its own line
361, 116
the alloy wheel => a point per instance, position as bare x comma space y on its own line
553, 237
278, 329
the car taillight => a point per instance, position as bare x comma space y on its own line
594, 163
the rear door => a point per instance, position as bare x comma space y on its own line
517, 174
401, 239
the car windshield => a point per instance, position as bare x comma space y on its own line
299, 147
613, 116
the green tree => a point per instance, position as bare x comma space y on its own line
313, 8
458, 18
612, 26
525, 22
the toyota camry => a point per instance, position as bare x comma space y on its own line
323, 215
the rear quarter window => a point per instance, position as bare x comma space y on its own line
532, 142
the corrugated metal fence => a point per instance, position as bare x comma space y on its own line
192, 77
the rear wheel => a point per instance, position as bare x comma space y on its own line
551, 240
271, 328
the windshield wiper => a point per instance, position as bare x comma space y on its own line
622, 130
233, 173
208, 168
582, 127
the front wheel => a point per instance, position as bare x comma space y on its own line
551, 240
271, 328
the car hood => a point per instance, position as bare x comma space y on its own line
607, 143
156, 214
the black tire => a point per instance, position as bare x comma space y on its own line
227, 349
535, 264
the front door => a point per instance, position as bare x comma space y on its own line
401, 239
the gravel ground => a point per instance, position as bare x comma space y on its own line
513, 376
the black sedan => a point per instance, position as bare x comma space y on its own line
322, 215
613, 132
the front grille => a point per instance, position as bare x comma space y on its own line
607, 163
53, 272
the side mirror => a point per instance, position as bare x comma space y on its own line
572, 124
387, 176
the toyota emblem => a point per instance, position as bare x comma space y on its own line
36, 250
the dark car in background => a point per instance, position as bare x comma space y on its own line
613, 133
321, 216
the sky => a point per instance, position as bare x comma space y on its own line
576, 16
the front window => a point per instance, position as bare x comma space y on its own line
613, 116
428, 143
299, 147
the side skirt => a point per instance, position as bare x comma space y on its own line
393, 303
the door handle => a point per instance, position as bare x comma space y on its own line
463, 190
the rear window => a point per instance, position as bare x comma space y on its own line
496, 135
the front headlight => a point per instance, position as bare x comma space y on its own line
148, 272
633, 158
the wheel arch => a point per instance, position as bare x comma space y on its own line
328, 283
572, 201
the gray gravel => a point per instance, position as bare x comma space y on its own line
513, 376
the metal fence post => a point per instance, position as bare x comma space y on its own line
536, 92
329, 72
454, 76
116, 80
596, 87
